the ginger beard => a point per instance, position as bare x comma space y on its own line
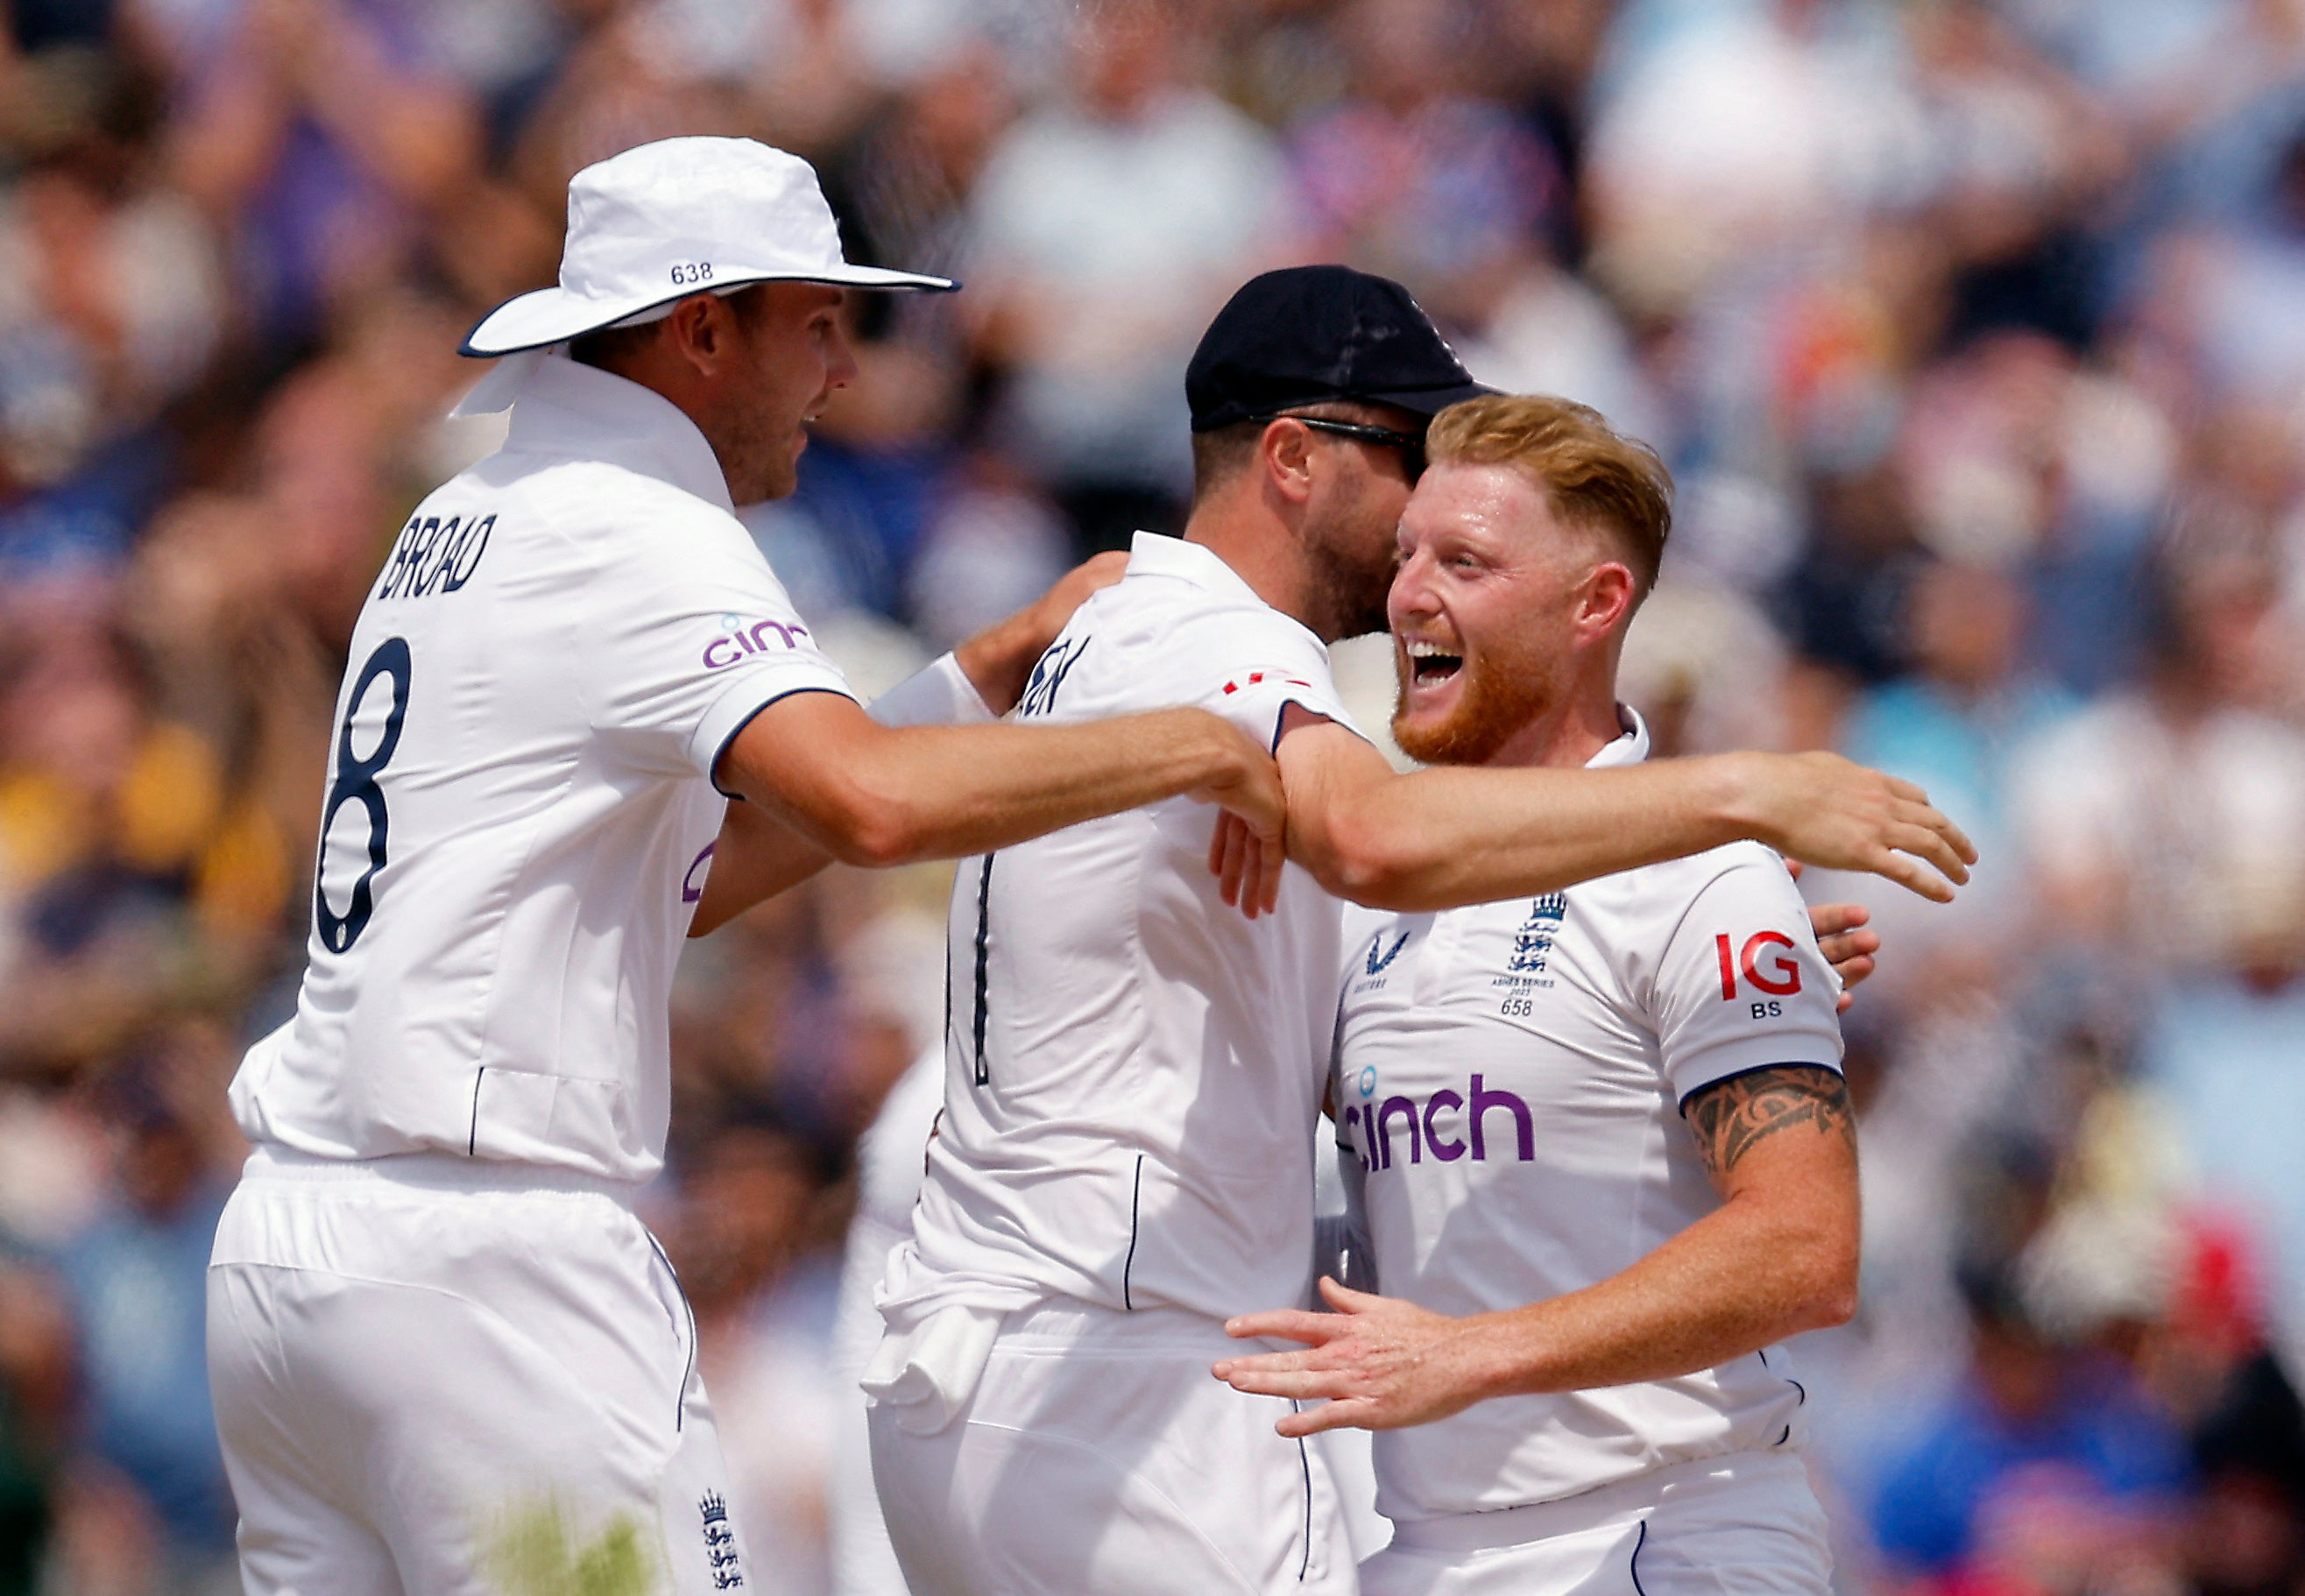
1503, 685
1485, 613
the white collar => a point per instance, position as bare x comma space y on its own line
1151, 553
561, 407
1630, 749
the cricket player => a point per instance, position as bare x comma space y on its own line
447, 1358
1123, 1160
1604, 1154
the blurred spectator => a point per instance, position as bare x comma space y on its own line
135, 1284
2247, 1537
747, 1200
1960, 721
2221, 1049
2043, 1472
1106, 230
110, 303
324, 136
1968, 328
35, 1387
2153, 817
1411, 177
1724, 131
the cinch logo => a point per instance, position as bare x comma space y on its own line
692, 890
1423, 1129
736, 640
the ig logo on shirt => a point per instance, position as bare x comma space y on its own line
1779, 977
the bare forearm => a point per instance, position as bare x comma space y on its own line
754, 858
985, 788
1750, 1273
886, 797
1439, 838
1779, 1255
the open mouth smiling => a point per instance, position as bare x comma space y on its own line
1430, 665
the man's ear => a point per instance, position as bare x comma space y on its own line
702, 331
1285, 454
1609, 591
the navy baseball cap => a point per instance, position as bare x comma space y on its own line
1307, 333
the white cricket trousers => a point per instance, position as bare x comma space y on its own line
1744, 1525
1098, 1456
434, 1376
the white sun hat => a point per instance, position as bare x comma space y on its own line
660, 222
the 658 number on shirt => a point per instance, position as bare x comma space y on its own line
356, 783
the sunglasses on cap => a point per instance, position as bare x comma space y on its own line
1410, 445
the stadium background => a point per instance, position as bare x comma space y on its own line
1975, 334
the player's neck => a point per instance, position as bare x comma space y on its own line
1262, 553
1567, 735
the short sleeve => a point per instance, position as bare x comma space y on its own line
1741, 984
1249, 668
940, 693
696, 640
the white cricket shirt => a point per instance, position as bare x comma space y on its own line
519, 811
1509, 1078
1133, 1069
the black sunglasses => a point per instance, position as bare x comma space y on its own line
1411, 446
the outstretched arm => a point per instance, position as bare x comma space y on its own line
757, 856
1449, 836
1779, 1256
872, 795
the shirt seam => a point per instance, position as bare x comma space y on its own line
488, 1008
728, 740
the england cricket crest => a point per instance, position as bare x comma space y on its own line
721, 1541
1532, 945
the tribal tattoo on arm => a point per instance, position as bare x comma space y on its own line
1730, 1116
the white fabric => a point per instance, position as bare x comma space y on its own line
924, 1375
1748, 1522
1134, 1069
427, 1385
664, 220
561, 642
494, 394
1097, 1454
1511, 1077
889, 1165
889, 1159
940, 693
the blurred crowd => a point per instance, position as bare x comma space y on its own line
1973, 330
